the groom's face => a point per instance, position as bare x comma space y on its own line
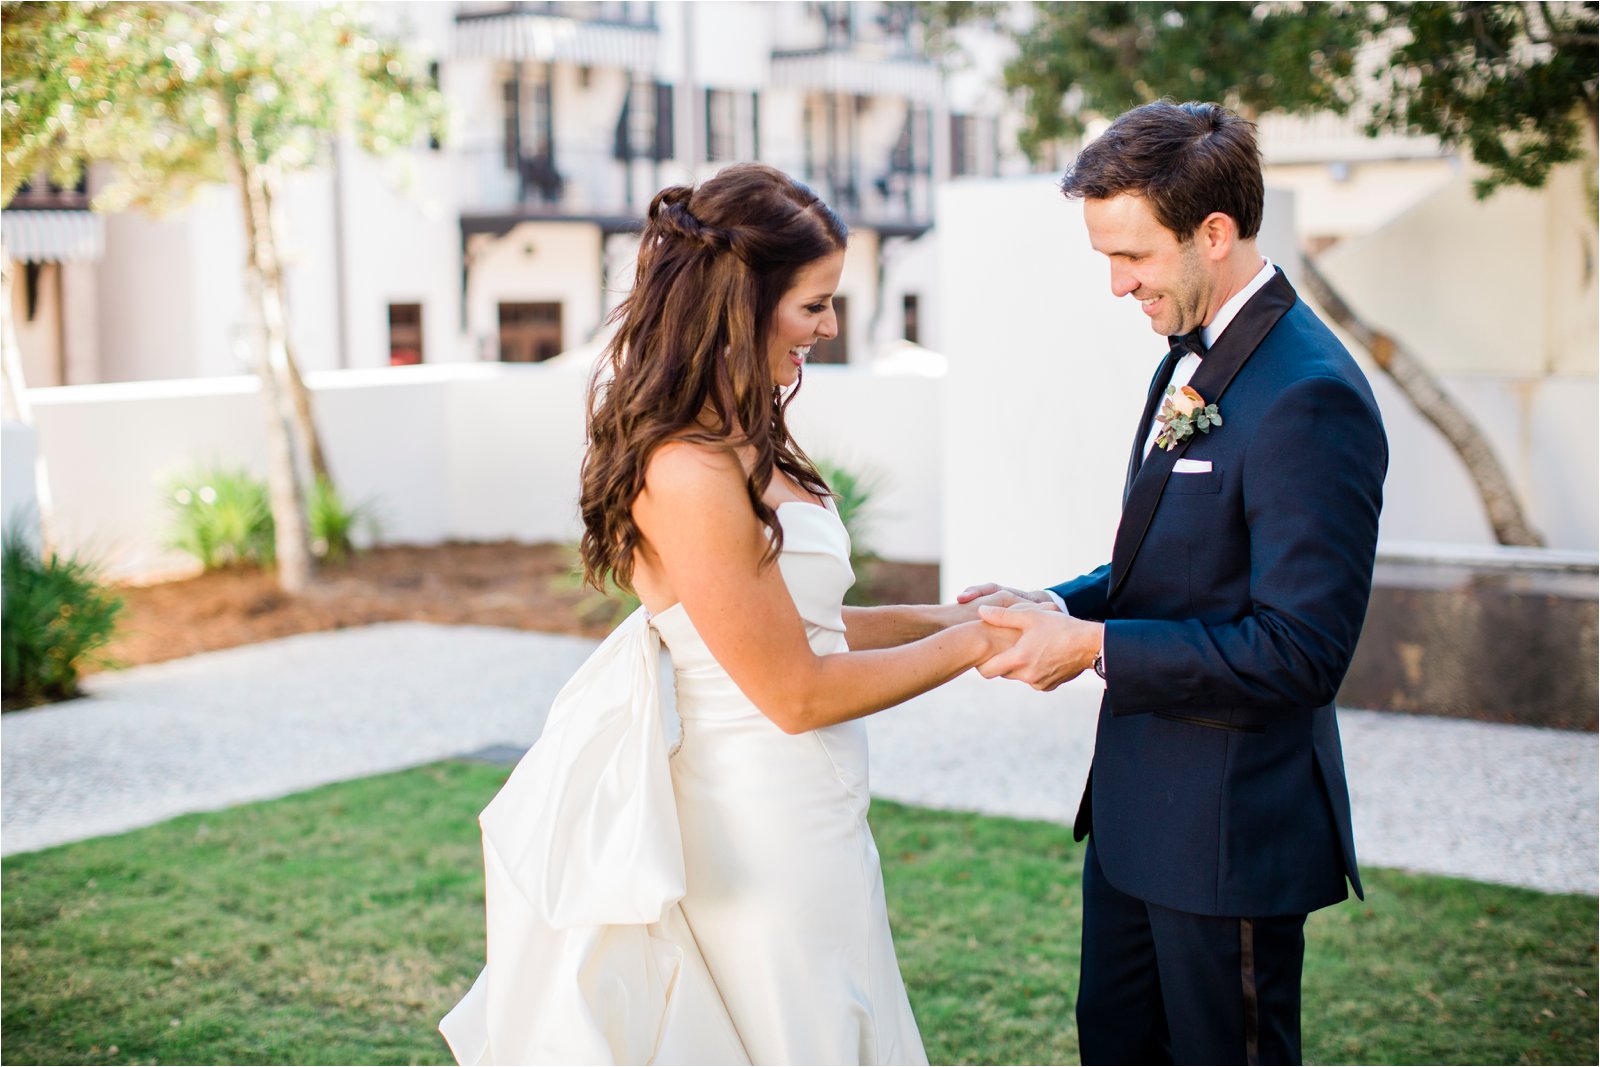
1170, 278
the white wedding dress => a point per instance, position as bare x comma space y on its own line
719, 904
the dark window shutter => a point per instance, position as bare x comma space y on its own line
621, 148
664, 147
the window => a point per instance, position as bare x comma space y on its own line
719, 125
911, 330
527, 120
529, 333
836, 349
405, 334
971, 151
731, 126
644, 129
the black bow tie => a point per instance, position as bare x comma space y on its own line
1190, 342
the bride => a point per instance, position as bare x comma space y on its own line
721, 903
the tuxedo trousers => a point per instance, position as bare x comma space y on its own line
1165, 986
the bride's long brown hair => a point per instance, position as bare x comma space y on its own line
691, 349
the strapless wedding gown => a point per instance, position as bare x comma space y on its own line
719, 904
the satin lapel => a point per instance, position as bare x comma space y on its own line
1151, 402
1255, 320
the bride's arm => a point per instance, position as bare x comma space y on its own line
892, 625
703, 540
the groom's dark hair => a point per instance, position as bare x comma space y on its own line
1187, 160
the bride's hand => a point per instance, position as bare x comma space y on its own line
1003, 596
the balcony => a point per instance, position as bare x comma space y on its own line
589, 34
857, 72
587, 184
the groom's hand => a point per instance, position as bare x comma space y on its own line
1002, 595
1052, 648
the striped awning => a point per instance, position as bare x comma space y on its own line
842, 72
53, 236
553, 39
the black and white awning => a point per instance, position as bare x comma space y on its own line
844, 72
553, 39
53, 236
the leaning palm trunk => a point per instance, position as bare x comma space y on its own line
1500, 502
18, 408
290, 543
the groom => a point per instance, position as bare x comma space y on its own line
1216, 809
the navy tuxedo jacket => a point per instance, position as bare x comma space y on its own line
1232, 605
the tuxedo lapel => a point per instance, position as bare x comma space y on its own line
1224, 360
1151, 402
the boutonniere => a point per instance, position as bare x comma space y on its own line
1184, 412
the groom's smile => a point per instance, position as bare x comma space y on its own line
1171, 279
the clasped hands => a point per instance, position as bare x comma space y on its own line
1050, 647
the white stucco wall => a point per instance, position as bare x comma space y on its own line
474, 452
19, 504
1504, 286
1044, 368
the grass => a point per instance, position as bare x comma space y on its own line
337, 926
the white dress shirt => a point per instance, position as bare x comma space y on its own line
1191, 363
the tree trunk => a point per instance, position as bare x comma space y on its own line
18, 409
1500, 502
296, 567
305, 425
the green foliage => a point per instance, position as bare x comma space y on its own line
221, 518
333, 523
1079, 60
1512, 83
339, 925
853, 495
55, 618
224, 517
179, 95
608, 607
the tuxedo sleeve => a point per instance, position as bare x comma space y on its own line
1312, 487
1085, 596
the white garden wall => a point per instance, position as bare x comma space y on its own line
472, 451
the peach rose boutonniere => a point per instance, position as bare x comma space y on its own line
1184, 412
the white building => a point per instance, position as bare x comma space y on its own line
515, 238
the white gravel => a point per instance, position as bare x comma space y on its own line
1506, 804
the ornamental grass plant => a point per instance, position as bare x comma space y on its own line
223, 518
55, 620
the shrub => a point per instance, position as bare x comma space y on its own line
55, 618
853, 495
332, 522
222, 517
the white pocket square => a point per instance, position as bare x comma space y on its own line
1191, 466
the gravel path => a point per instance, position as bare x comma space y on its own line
1498, 803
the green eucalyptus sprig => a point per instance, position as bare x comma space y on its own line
1182, 413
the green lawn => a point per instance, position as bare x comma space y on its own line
336, 926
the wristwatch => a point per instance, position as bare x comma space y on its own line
1100, 664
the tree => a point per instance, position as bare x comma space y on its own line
1513, 84
175, 97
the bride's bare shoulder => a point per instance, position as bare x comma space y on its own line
692, 474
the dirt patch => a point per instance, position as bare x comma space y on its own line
504, 583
